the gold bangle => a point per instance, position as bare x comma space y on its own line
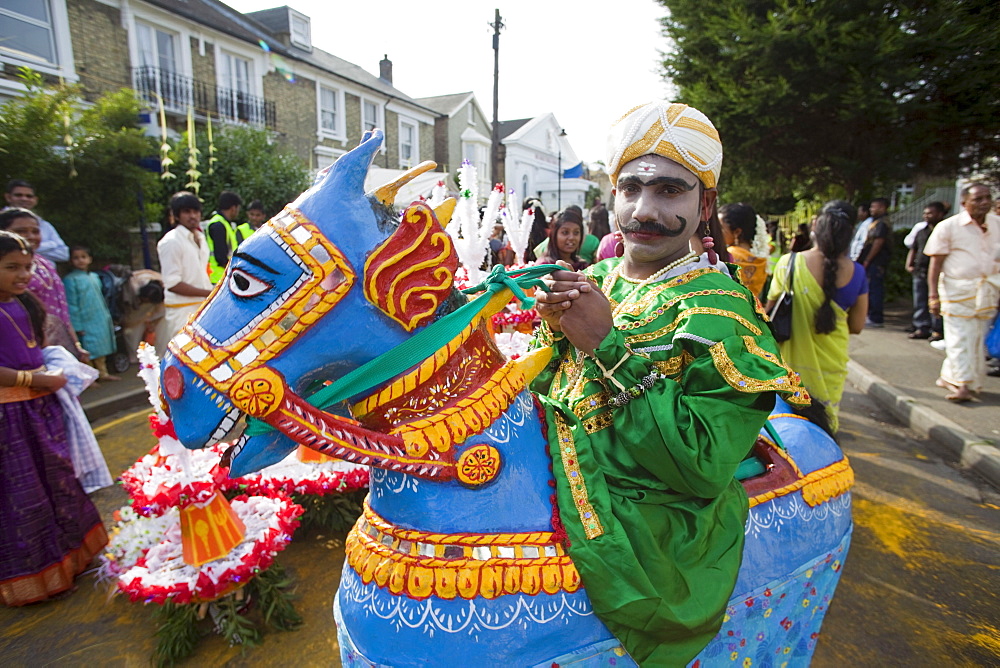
20, 379
29, 378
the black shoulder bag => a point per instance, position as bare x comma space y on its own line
781, 314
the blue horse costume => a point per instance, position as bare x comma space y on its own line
458, 555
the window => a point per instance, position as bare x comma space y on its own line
236, 98
329, 112
326, 156
478, 154
234, 73
27, 30
301, 31
409, 144
371, 115
472, 114
157, 73
157, 48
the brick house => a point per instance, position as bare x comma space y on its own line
259, 68
461, 132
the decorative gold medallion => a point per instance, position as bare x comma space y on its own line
258, 392
479, 464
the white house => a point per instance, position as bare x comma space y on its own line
537, 153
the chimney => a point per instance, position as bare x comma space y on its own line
385, 69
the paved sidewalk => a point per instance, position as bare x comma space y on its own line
106, 398
898, 374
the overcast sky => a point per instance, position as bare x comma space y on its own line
585, 62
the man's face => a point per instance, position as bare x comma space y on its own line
932, 215
863, 213
978, 202
21, 196
658, 207
190, 218
877, 209
256, 217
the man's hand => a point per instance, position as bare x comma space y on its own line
564, 287
576, 307
588, 320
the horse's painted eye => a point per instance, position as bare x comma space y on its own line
243, 284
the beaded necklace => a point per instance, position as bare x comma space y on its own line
640, 285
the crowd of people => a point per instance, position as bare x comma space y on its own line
57, 333
835, 269
843, 257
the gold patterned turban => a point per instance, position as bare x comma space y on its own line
675, 131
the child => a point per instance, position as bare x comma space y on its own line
49, 529
88, 311
45, 284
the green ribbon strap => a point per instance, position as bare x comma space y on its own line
426, 342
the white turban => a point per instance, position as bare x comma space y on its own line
675, 131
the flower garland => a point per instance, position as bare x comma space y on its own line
290, 476
157, 482
513, 344
147, 558
508, 318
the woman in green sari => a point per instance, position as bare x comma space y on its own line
830, 302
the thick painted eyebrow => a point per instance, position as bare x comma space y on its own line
254, 261
659, 180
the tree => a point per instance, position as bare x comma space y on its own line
247, 162
838, 97
82, 159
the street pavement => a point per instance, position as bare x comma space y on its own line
898, 375
918, 587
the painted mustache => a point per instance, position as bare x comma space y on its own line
654, 228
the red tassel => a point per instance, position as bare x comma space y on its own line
709, 244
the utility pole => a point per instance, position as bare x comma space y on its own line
497, 25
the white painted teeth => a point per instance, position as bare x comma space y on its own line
226, 424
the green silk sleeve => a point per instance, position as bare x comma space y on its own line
690, 434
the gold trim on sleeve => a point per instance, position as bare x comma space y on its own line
578, 486
788, 384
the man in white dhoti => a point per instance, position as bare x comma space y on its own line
963, 285
184, 265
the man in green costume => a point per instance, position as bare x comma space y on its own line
663, 373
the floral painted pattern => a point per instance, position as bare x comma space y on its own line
776, 626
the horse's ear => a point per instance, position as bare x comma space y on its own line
387, 193
444, 211
411, 273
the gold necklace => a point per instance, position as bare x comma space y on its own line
31, 343
617, 273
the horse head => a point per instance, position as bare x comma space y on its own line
329, 283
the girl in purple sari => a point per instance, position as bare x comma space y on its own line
49, 529
46, 285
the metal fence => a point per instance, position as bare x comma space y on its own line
179, 93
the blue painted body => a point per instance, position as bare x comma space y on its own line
788, 542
